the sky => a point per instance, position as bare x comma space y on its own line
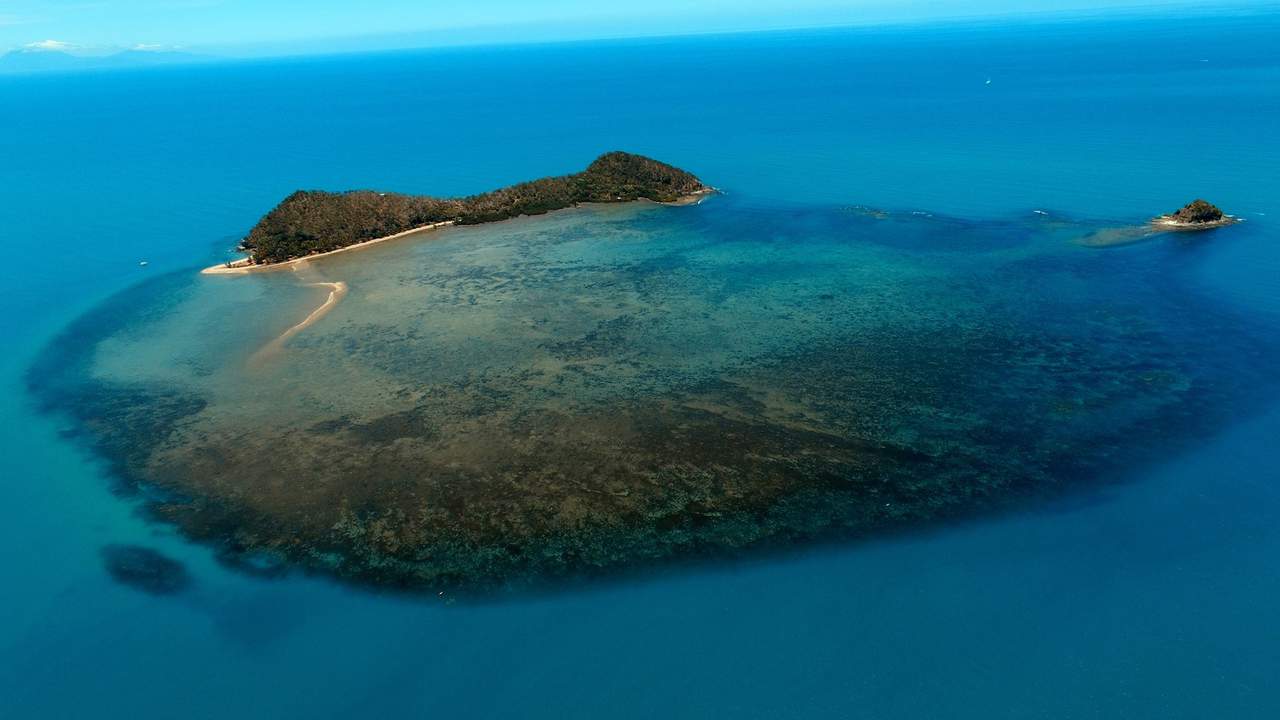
259, 27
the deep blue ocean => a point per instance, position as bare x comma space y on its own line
1154, 597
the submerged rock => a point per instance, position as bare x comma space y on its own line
144, 569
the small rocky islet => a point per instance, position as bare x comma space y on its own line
922, 387
1195, 215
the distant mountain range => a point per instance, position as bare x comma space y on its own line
33, 61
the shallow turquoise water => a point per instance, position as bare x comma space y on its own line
1151, 598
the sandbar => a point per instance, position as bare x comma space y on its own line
337, 290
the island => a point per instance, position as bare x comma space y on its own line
1195, 215
314, 222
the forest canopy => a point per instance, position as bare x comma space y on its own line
315, 221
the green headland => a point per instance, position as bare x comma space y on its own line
311, 222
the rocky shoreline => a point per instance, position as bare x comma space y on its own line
1195, 215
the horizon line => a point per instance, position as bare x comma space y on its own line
1233, 8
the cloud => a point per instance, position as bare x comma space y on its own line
154, 47
56, 45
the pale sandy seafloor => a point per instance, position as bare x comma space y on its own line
613, 387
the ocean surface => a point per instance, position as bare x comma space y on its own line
878, 183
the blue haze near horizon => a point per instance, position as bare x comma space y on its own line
238, 27
1153, 599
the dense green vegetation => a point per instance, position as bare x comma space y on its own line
313, 221
1198, 211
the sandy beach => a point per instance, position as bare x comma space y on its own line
244, 267
693, 198
1127, 235
1168, 222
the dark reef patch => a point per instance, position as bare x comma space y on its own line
414, 423
145, 569
62, 366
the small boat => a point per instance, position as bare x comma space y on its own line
142, 263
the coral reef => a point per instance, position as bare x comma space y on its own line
589, 393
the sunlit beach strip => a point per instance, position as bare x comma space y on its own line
244, 266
